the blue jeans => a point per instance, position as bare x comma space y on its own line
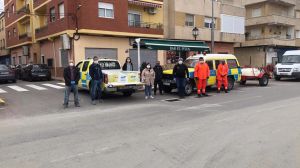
181, 86
148, 90
67, 94
96, 90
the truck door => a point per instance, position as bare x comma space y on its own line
85, 74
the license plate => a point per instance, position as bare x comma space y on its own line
167, 84
42, 75
127, 87
4, 73
284, 74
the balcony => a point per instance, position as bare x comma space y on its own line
283, 2
23, 12
39, 3
270, 41
25, 37
146, 27
271, 20
230, 37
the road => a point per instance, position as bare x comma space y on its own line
251, 127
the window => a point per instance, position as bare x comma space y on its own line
14, 60
134, 19
13, 8
217, 62
210, 65
7, 11
297, 34
105, 10
20, 59
61, 10
256, 12
232, 63
14, 32
43, 59
52, 14
50, 62
85, 66
208, 22
298, 14
189, 20
109, 65
8, 34
79, 65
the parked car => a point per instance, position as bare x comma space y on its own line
36, 72
213, 60
115, 79
7, 74
19, 70
289, 67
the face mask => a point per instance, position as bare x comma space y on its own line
223, 63
71, 64
148, 66
96, 62
180, 62
128, 60
201, 62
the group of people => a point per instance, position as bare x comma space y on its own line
201, 75
151, 77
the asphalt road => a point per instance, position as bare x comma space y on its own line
251, 127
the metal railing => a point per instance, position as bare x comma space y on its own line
148, 25
279, 37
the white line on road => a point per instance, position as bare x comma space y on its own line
18, 88
63, 84
2, 91
53, 86
37, 87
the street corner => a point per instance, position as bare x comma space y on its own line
2, 102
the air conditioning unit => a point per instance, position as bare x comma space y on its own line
152, 11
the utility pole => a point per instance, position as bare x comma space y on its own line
212, 27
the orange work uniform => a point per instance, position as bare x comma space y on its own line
222, 74
202, 72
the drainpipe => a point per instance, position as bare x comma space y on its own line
54, 56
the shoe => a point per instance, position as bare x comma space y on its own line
226, 91
200, 95
77, 105
146, 97
151, 97
204, 94
93, 102
65, 106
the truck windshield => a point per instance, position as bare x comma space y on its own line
191, 63
105, 65
291, 59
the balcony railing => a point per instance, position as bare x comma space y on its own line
24, 36
279, 37
24, 9
271, 19
41, 29
147, 25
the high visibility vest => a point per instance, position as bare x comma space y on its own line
222, 71
202, 71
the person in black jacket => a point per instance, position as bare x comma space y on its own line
128, 66
181, 73
158, 78
97, 79
71, 76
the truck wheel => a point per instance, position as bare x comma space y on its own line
230, 83
127, 94
264, 80
243, 82
277, 78
167, 89
188, 88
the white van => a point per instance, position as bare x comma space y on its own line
289, 66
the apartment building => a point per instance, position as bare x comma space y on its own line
4, 53
182, 16
272, 27
54, 31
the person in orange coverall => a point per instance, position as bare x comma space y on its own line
222, 74
201, 74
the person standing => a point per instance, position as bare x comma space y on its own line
148, 76
71, 76
128, 66
222, 73
158, 78
180, 73
97, 79
201, 74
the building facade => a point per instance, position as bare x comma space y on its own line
272, 27
55, 31
182, 16
4, 53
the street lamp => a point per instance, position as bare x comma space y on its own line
212, 26
138, 42
195, 32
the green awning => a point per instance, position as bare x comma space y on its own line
174, 45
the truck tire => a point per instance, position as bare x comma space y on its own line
231, 82
188, 89
167, 89
127, 94
264, 80
243, 82
277, 78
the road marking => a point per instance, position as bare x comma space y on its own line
53, 86
2, 91
63, 84
37, 87
18, 88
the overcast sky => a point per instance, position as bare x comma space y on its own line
1, 5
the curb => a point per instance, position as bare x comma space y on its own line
2, 102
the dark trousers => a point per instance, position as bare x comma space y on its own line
181, 86
67, 94
158, 83
96, 90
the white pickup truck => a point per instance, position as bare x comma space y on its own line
115, 79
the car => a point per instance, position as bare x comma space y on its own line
36, 72
7, 74
115, 79
213, 60
289, 67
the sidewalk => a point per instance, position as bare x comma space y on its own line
2, 102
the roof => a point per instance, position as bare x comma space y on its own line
292, 52
213, 56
